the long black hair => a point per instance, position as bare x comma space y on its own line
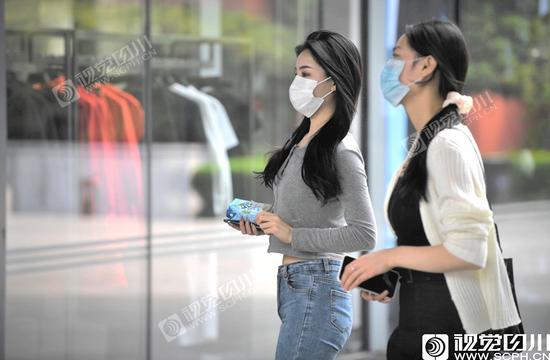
444, 41
341, 61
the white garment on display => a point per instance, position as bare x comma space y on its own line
223, 123
220, 136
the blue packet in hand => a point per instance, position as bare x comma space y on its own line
244, 209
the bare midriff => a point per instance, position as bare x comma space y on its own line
287, 259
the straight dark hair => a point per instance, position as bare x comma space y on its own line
341, 60
444, 41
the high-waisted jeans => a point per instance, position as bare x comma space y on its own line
316, 312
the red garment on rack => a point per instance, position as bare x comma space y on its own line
125, 112
134, 129
96, 131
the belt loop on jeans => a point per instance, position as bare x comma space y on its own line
284, 271
326, 265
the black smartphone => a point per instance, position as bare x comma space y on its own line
235, 222
376, 285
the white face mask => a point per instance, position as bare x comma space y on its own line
302, 98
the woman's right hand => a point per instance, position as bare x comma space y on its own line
383, 297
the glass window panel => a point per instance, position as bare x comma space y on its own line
76, 280
242, 54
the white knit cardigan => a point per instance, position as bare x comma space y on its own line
458, 216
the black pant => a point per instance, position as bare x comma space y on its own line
425, 307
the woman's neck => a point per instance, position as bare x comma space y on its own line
317, 121
422, 108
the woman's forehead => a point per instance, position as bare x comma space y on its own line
305, 59
402, 44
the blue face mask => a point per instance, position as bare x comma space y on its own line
392, 89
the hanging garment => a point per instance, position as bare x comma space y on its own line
127, 137
214, 123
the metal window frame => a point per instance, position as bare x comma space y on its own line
365, 344
3, 137
147, 105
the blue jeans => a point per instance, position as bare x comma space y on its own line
315, 310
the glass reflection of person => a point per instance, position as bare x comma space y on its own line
321, 206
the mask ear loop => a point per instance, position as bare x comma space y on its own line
327, 94
420, 81
330, 92
414, 82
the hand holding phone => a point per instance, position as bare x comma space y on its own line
236, 224
378, 284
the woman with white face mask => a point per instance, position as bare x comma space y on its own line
321, 205
453, 277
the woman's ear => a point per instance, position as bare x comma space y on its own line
333, 87
430, 64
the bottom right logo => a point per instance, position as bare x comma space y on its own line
435, 347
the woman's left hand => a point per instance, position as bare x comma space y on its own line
366, 267
272, 224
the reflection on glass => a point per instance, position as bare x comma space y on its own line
238, 57
76, 188
75, 182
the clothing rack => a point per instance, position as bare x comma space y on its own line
27, 40
175, 53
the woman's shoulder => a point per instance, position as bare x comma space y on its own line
348, 143
454, 145
457, 136
348, 152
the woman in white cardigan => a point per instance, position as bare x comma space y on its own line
453, 277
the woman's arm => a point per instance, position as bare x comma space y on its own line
463, 217
435, 259
360, 231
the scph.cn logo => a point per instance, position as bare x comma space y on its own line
435, 347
